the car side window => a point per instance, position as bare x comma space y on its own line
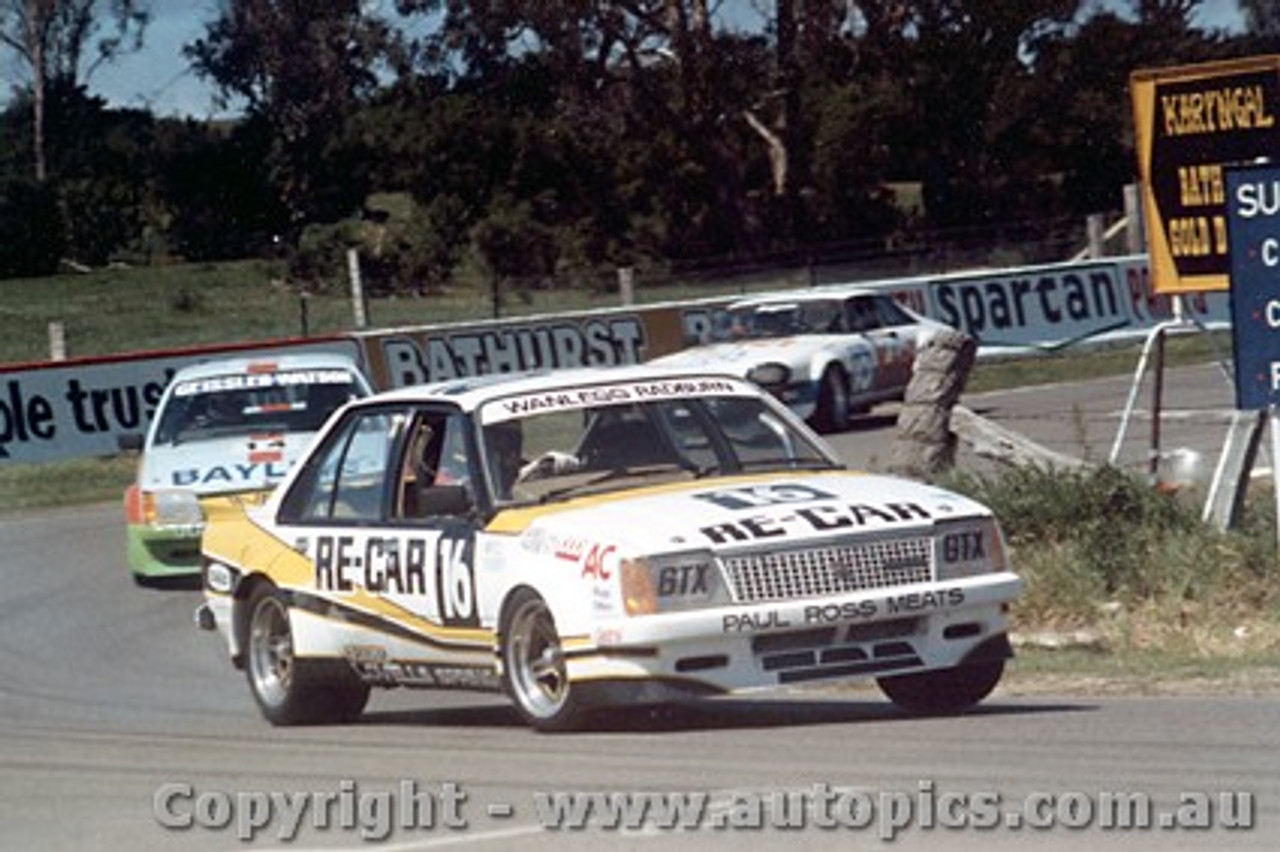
347, 477
891, 314
862, 314
823, 318
436, 458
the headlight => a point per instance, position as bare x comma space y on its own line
672, 583
769, 375
219, 577
969, 549
175, 507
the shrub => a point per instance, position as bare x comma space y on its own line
1082, 539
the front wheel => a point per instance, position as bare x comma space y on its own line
289, 690
832, 412
534, 672
944, 691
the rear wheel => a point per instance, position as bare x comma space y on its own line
944, 691
832, 412
289, 690
533, 666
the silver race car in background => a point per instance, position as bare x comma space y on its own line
825, 353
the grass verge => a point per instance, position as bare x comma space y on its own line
1126, 584
1083, 671
65, 483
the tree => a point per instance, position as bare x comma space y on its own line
969, 61
215, 201
641, 125
50, 38
1262, 17
303, 68
31, 240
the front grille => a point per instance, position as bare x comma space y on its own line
785, 575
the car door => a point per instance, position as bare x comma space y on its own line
886, 328
409, 571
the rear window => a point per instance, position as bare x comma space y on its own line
250, 403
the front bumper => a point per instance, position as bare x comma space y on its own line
908, 629
154, 552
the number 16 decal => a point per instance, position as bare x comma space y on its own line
456, 582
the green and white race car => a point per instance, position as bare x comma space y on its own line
225, 426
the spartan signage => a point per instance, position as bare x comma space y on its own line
1253, 216
1018, 309
1191, 121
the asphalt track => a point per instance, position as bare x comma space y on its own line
117, 716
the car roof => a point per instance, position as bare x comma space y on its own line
265, 363
817, 294
468, 393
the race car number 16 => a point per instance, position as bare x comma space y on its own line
457, 591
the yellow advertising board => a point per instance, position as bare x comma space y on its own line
1190, 121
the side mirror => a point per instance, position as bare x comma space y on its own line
130, 442
444, 500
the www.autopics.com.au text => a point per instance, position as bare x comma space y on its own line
413, 806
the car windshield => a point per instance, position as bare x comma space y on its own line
250, 403
818, 316
568, 448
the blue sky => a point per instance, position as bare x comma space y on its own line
157, 77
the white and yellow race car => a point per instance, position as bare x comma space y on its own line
592, 537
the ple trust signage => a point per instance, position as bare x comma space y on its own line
1253, 225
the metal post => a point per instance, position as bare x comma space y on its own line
357, 288
1097, 226
57, 342
1135, 238
627, 285
1224, 504
1275, 460
1134, 389
303, 317
1157, 404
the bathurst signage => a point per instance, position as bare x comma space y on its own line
1190, 123
415, 356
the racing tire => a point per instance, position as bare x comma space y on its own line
534, 673
945, 691
287, 689
832, 411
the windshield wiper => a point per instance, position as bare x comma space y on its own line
789, 463
614, 474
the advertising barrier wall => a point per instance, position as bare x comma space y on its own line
78, 408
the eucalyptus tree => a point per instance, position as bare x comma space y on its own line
626, 116
61, 42
1262, 17
302, 68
